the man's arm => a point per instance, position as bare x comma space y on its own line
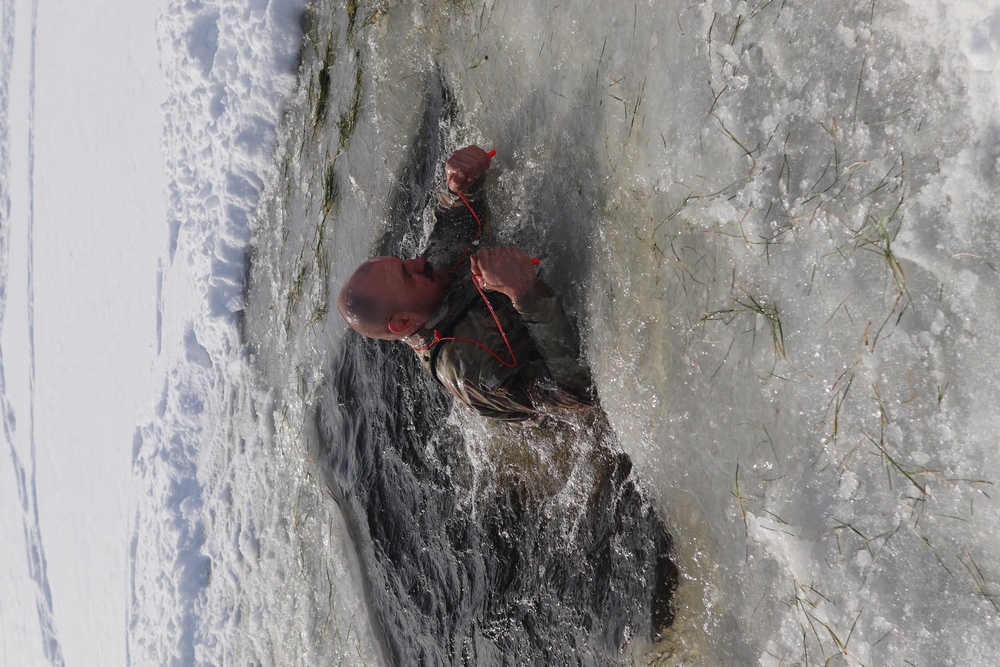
556, 339
512, 272
455, 226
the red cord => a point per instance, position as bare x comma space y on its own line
437, 334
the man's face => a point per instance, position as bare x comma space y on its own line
411, 286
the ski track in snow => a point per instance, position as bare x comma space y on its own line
25, 476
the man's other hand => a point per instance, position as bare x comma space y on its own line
466, 166
504, 269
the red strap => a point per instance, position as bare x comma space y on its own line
437, 334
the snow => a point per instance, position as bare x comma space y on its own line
78, 331
86, 269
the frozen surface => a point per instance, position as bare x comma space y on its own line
773, 221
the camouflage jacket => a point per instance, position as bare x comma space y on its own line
548, 374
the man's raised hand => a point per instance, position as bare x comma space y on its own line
466, 166
504, 269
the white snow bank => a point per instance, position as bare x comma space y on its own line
229, 67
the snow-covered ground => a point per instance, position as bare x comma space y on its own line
83, 228
111, 112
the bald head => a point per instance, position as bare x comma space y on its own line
364, 311
390, 298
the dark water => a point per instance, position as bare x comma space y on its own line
538, 549
480, 543
493, 565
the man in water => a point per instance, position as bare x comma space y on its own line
488, 329
521, 365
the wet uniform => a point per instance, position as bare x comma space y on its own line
548, 376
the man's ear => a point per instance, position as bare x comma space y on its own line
399, 324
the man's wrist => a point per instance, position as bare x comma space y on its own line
526, 301
450, 199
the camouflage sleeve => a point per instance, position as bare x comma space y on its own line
455, 228
556, 340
